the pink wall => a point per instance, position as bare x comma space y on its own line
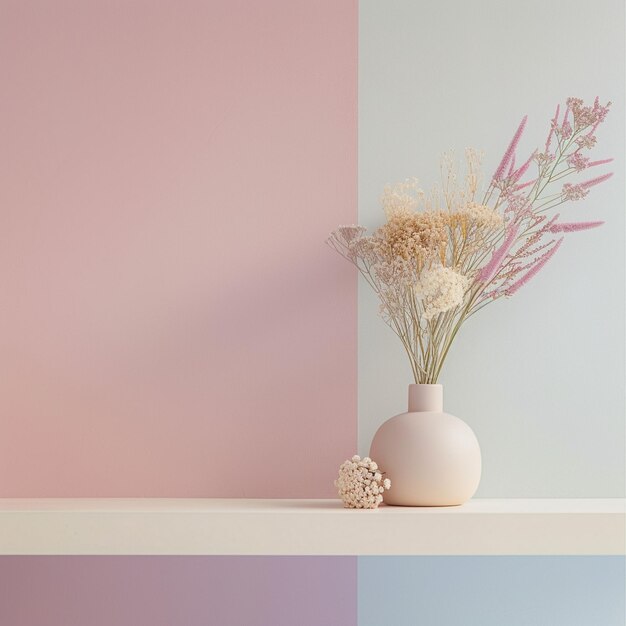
171, 322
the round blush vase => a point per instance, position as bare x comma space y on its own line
431, 457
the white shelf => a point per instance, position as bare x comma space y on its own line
309, 527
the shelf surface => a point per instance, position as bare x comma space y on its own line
199, 526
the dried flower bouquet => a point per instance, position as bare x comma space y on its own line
442, 256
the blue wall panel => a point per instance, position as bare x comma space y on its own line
492, 591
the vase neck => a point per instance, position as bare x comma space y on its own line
425, 398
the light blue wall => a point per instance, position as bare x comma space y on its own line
539, 377
491, 591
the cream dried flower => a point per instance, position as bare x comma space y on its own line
402, 199
360, 483
417, 237
440, 289
482, 215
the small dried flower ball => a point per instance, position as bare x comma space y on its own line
360, 483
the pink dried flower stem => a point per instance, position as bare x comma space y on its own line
540, 184
511, 265
596, 181
553, 124
593, 128
532, 252
565, 116
510, 151
570, 170
548, 173
534, 270
511, 167
601, 162
572, 227
492, 268
549, 176
524, 185
546, 176
595, 116
518, 173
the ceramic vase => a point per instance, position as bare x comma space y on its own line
431, 457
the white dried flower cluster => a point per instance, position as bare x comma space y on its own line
360, 483
440, 289
482, 215
402, 199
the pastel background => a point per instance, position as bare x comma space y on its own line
173, 325
540, 377
169, 175
172, 322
